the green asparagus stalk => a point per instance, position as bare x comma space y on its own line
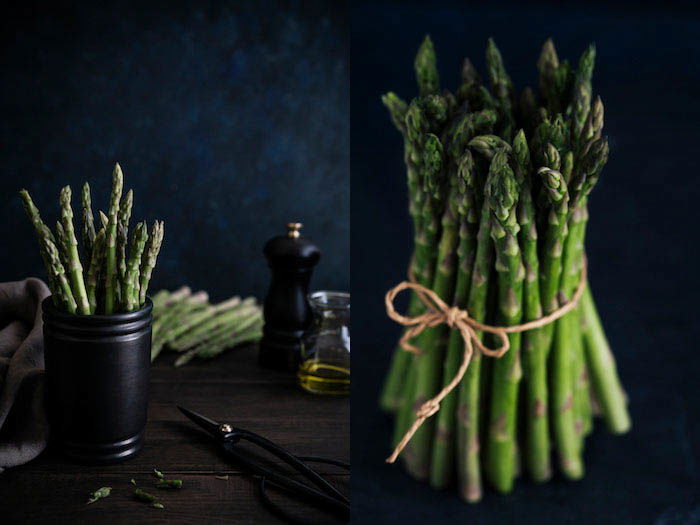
426, 68
502, 87
469, 394
548, 65
582, 90
411, 128
186, 324
62, 244
423, 154
110, 273
211, 349
96, 262
443, 456
42, 231
131, 279
74, 268
537, 444
59, 276
431, 340
123, 235
213, 325
149, 259
563, 359
230, 325
88, 231
174, 315
603, 370
503, 198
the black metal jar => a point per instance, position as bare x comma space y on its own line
97, 374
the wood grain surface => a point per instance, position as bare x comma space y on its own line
231, 389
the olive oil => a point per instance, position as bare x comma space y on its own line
324, 377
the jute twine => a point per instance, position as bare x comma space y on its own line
440, 312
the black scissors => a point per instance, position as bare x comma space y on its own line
323, 495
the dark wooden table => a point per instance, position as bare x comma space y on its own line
230, 388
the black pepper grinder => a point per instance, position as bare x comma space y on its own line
291, 258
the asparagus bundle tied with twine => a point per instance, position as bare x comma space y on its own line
98, 275
498, 186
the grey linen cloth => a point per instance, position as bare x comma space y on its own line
24, 429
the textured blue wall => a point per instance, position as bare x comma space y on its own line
228, 120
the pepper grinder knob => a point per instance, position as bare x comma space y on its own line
287, 313
294, 229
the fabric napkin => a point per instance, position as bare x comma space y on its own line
24, 428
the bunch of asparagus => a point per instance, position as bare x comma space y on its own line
187, 323
100, 276
498, 187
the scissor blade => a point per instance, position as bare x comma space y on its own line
207, 424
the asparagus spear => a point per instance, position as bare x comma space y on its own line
111, 241
210, 349
469, 400
465, 200
422, 153
397, 110
426, 68
603, 370
174, 315
150, 257
442, 464
211, 325
88, 232
430, 340
61, 243
582, 90
565, 360
131, 279
186, 324
42, 231
564, 425
123, 235
96, 261
502, 87
548, 64
534, 349
59, 275
503, 198
75, 269
228, 326
425, 258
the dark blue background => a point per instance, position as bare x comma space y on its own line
642, 244
228, 118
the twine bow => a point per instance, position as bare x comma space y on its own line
440, 312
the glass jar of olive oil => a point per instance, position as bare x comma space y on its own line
325, 348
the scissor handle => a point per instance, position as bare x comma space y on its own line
320, 499
291, 460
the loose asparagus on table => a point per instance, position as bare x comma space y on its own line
506, 244
187, 323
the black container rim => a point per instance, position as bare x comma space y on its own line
97, 319
99, 325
